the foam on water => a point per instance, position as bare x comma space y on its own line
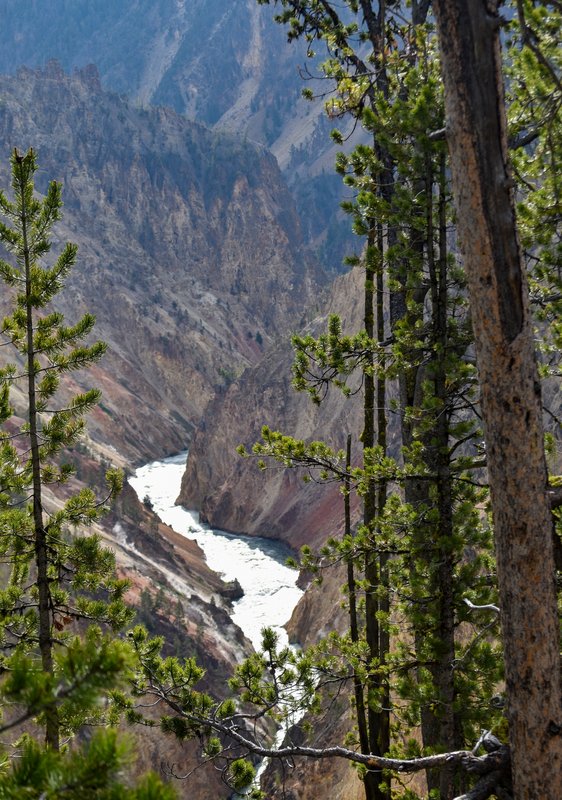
270, 591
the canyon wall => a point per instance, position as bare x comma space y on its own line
190, 249
223, 63
230, 491
192, 258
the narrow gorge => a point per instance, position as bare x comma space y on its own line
185, 238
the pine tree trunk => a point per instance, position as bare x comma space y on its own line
353, 621
444, 669
40, 534
439, 723
377, 720
511, 407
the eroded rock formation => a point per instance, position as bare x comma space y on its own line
230, 491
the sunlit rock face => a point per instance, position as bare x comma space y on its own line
224, 63
231, 492
191, 254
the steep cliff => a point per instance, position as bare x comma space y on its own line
230, 491
234, 494
224, 63
191, 254
191, 257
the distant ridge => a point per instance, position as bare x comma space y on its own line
224, 63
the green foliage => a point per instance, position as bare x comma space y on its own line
62, 579
51, 349
534, 63
274, 683
94, 771
240, 774
426, 547
419, 563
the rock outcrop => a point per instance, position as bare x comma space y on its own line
224, 63
230, 491
191, 254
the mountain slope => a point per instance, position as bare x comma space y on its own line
191, 254
224, 63
231, 492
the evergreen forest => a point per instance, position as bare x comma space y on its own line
439, 674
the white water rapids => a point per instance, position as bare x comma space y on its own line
270, 590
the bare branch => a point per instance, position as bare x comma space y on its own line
487, 607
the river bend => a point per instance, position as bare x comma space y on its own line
270, 590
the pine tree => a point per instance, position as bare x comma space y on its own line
402, 207
511, 407
61, 579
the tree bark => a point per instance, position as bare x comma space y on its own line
378, 720
476, 131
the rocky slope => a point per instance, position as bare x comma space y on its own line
191, 254
164, 204
234, 494
224, 63
192, 258
230, 491
177, 597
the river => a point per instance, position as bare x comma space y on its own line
270, 590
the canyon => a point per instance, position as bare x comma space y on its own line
199, 187
200, 222
230, 491
190, 250
192, 258
223, 63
